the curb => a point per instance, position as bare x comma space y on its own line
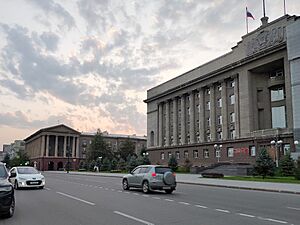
192, 183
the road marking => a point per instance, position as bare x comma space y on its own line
272, 220
184, 203
126, 192
75, 198
147, 196
112, 189
156, 198
136, 194
293, 208
48, 189
222, 210
201, 206
133, 218
120, 191
246, 215
168, 200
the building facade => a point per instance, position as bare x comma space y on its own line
54, 147
229, 108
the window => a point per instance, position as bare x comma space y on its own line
232, 117
169, 155
220, 120
232, 134
230, 152
232, 84
232, 99
208, 91
219, 102
208, 137
208, 121
186, 154
286, 149
218, 153
162, 156
252, 151
219, 135
177, 155
198, 95
195, 154
277, 94
208, 105
179, 140
189, 110
278, 117
198, 107
152, 138
219, 87
136, 171
205, 153
198, 138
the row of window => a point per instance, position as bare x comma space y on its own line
206, 153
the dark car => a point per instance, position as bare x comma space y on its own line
7, 198
151, 177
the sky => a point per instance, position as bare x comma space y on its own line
89, 63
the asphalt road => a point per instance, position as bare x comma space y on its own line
87, 200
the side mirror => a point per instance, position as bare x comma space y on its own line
12, 175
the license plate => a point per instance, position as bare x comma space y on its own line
34, 182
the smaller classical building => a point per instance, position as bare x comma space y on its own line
51, 148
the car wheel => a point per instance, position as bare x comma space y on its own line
125, 184
11, 210
146, 187
169, 191
16, 186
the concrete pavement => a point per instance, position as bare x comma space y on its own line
196, 179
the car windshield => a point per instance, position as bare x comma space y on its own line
162, 170
27, 170
3, 172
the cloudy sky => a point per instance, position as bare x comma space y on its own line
88, 63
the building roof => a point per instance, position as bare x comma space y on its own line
116, 135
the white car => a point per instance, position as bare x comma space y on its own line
26, 176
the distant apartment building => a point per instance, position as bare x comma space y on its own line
229, 108
48, 148
13, 148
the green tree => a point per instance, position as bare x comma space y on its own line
173, 164
187, 165
264, 164
105, 165
126, 149
287, 166
132, 163
297, 170
98, 148
122, 165
6, 160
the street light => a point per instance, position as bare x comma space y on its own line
99, 165
145, 154
218, 151
277, 145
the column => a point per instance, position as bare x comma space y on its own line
65, 146
236, 107
167, 123
77, 147
56, 146
183, 120
43, 146
160, 124
73, 148
175, 121
212, 113
201, 115
224, 110
192, 117
47, 146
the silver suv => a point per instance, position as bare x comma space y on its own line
150, 177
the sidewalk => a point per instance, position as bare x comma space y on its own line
196, 179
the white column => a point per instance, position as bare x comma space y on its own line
160, 124
47, 146
236, 107
56, 146
201, 115
192, 117
175, 121
73, 148
65, 146
43, 146
183, 120
167, 123
212, 113
224, 111
77, 147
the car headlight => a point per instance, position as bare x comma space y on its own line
6, 188
43, 178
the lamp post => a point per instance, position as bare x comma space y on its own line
277, 145
218, 151
145, 154
99, 165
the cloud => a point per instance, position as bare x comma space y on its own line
54, 9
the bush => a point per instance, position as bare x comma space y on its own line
297, 170
264, 164
212, 175
287, 166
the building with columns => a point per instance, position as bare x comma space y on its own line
50, 148
229, 108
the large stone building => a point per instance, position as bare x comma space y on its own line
48, 148
229, 108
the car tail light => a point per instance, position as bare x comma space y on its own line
153, 174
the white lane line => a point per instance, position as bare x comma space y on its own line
293, 208
147, 196
184, 203
126, 192
246, 215
136, 194
201, 206
112, 189
222, 210
75, 198
133, 218
120, 191
272, 220
100, 187
156, 198
48, 189
168, 200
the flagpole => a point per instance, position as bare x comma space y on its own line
284, 7
246, 20
264, 8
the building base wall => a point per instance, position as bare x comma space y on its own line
55, 163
